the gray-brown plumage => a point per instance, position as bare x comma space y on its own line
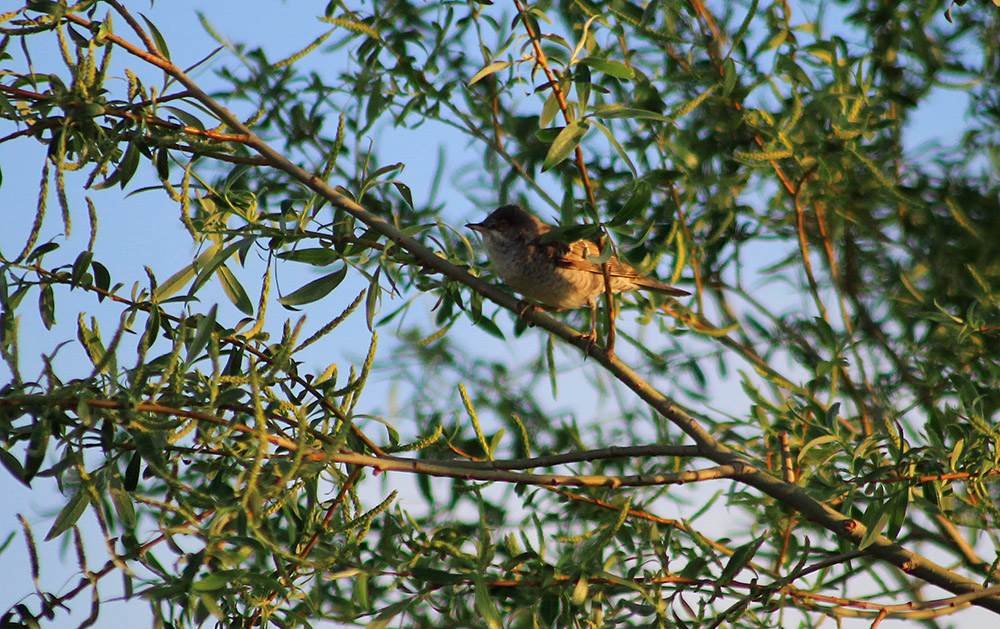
555, 274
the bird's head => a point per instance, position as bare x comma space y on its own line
510, 222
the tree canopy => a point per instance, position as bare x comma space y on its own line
331, 410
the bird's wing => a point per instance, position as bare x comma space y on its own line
575, 254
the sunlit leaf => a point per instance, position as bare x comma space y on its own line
565, 143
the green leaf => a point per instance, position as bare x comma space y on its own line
615, 111
565, 143
212, 261
618, 147
496, 66
47, 306
404, 191
548, 134
549, 110
636, 204
314, 290
818, 441
234, 291
437, 577
874, 524
158, 41
373, 300
217, 580
581, 80
187, 119
612, 68
90, 338
385, 616
385, 170
741, 557
729, 78
163, 164
316, 256
486, 606
580, 591
13, 466
123, 503
38, 445
571, 233
80, 266
69, 515
830, 418
206, 325
897, 513
128, 165
102, 279
695, 568
41, 250
132, 472
487, 325
46, 6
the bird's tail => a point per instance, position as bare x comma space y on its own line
659, 287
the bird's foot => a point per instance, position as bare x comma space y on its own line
590, 341
524, 307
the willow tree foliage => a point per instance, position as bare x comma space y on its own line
330, 410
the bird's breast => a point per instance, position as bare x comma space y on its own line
533, 273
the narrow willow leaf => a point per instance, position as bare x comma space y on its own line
69, 515
385, 616
216, 580
47, 306
211, 261
612, 68
206, 325
404, 191
874, 528
615, 111
188, 120
580, 591
161, 44
496, 66
80, 266
174, 283
13, 466
234, 291
316, 256
739, 560
636, 204
132, 472
123, 504
618, 147
549, 110
373, 299
486, 606
565, 143
124, 171
487, 325
314, 290
435, 576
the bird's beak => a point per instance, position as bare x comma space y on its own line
478, 227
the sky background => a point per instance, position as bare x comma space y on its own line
143, 229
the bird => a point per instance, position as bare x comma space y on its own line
558, 275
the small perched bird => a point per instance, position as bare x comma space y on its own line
556, 274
